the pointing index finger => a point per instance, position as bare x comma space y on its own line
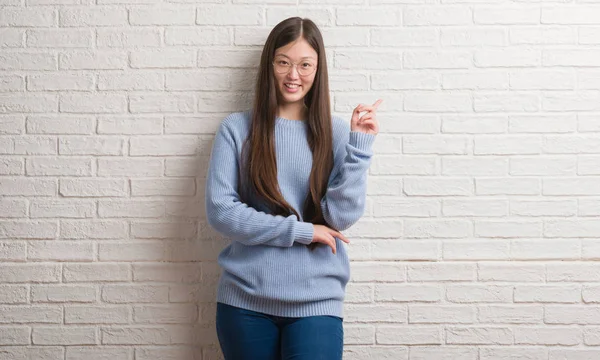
376, 105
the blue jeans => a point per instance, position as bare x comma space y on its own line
250, 335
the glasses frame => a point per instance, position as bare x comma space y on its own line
291, 67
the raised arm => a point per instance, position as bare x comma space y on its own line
235, 219
344, 201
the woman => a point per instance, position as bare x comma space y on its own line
284, 178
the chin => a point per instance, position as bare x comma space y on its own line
292, 98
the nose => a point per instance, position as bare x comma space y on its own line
293, 73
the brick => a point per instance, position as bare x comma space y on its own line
31, 314
402, 335
321, 17
404, 250
479, 335
28, 17
229, 15
134, 294
438, 15
438, 186
93, 229
13, 294
513, 353
145, 251
98, 353
98, 60
32, 352
64, 336
16, 273
63, 293
507, 229
542, 166
13, 251
392, 313
359, 334
162, 15
44, 166
65, 124
473, 36
442, 59
97, 315
443, 314
60, 82
15, 335
182, 35
441, 272
407, 293
170, 314
555, 335
369, 272
475, 250
443, 353
96, 272
479, 293
507, 15
515, 272
367, 17
125, 38
61, 251
355, 293
93, 17
507, 314
475, 80
135, 336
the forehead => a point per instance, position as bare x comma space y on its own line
299, 49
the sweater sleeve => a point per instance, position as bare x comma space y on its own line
236, 219
344, 201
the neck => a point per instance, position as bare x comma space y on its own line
294, 111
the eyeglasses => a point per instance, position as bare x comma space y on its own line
282, 66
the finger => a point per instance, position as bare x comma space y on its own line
367, 108
366, 116
355, 113
377, 103
332, 243
342, 237
370, 123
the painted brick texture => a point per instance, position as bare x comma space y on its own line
480, 240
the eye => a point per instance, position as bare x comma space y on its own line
307, 65
282, 62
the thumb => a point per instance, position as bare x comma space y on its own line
355, 114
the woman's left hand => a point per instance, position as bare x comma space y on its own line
368, 122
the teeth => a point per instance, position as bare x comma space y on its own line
291, 85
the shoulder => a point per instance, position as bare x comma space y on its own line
236, 120
235, 124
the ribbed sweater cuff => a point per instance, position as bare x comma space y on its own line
304, 232
361, 140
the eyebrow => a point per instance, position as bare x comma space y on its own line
306, 57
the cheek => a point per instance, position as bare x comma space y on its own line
308, 83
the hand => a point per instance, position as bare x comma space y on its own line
324, 235
368, 122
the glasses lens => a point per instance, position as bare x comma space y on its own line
306, 69
284, 66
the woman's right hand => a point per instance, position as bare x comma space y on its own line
324, 235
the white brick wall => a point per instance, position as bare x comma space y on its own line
481, 236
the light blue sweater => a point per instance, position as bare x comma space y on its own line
267, 267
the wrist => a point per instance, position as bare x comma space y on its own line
304, 232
